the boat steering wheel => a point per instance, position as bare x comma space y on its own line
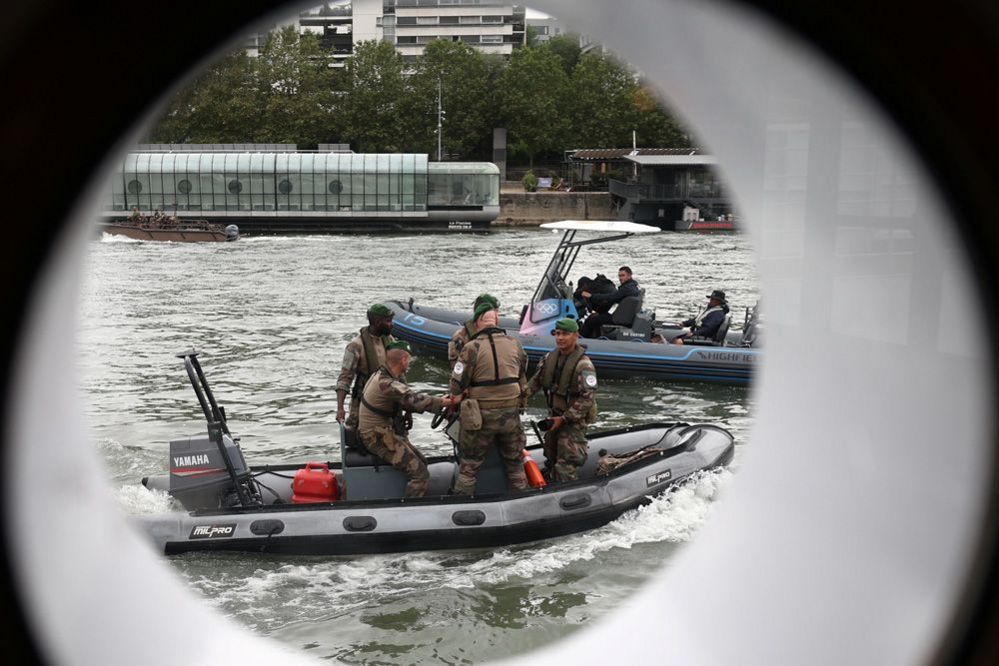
438, 418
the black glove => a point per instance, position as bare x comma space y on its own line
407, 420
544, 425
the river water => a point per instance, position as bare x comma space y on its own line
271, 316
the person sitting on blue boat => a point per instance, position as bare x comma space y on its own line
629, 287
706, 324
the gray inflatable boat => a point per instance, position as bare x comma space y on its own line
231, 506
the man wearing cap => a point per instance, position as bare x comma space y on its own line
467, 330
491, 372
706, 324
569, 380
364, 355
381, 419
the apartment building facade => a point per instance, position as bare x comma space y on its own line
410, 25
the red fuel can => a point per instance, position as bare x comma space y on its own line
314, 483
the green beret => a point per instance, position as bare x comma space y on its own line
399, 344
481, 309
380, 310
567, 324
486, 298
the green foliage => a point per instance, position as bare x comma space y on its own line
465, 85
295, 89
567, 48
217, 107
654, 125
534, 91
603, 112
550, 98
530, 182
373, 107
283, 96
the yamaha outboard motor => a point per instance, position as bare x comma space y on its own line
232, 232
209, 471
199, 477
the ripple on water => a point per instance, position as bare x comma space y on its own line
271, 316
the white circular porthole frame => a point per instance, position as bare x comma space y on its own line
850, 531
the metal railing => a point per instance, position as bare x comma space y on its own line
661, 192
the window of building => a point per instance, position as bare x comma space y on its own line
134, 187
470, 19
285, 186
492, 19
405, 40
492, 39
449, 20
406, 20
335, 187
427, 20
235, 187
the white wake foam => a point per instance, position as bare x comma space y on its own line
117, 238
135, 499
331, 587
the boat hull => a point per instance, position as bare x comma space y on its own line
174, 235
443, 521
430, 329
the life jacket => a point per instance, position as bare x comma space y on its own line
497, 377
384, 410
469, 330
371, 358
561, 393
699, 319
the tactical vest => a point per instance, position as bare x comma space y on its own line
469, 329
371, 357
496, 375
699, 320
561, 394
377, 408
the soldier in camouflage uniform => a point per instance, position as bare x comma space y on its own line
467, 330
381, 428
491, 370
364, 355
569, 381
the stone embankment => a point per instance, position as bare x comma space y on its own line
520, 208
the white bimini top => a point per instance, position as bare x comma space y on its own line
615, 226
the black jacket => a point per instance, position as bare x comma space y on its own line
629, 288
710, 325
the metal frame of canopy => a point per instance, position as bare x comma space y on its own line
553, 280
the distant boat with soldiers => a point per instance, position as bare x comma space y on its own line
161, 227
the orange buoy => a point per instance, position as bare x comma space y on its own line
534, 477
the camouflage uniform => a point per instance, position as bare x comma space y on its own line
570, 384
358, 364
492, 367
382, 431
459, 340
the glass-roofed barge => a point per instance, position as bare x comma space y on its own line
291, 191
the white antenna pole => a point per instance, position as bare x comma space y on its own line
634, 149
439, 113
